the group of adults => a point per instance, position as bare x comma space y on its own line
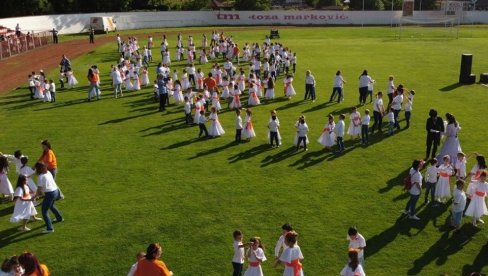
25, 264
435, 128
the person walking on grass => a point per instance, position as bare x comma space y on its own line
309, 86
415, 189
48, 187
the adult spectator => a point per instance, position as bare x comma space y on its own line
65, 65
91, 32
32, 266
309, 86
163, 93
364, 81
451, 145
210, 82
55, 36
378, 111
415, 189
151, 265
48, 187
434, 128
17, 30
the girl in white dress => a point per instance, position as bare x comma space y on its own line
38, 88
178, 94
451, 145
127, 83
259, 88
353, 268
72, 81
288, 87
199, 79
24, 209
28, 172
477, 206
216, 100
270, 93
145, 77
215, 128
236, 98
170, 88
185, 83
291, 256
253, 97
355, 123
241, 80
442, 189
327, 139
255, 256
166, 58
5, 185
474, 175
137, 81
248, 130
198, 107
47, 94
225, 86
203, 57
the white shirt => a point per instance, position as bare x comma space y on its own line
310, 79
347, 271
290, 254
378, 105
187, 108
238, 122
17, 162
238, 253
460, 166
365, 120
364, 81
391, 117
132, 270
358, 242
397, 102
408, 105
302, 129
391, 87
46, 181
339, 128
431, 174
338, 81
274, 125
459, 201
416, 177
191, 70
52, 87
280, 244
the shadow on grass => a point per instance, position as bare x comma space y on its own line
165, 128
445, 246
249, 153
280, 156
310, 159
479, 262
13, 235
62, 104
184, 143
319, 107
451, 87
120, 120
397, 181
7, 211
290, 105
212, 151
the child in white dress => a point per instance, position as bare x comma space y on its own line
28, 172
137, 82
72, 81
145, 77
24, 209
288, 87
353, 267
327, 139
253, 97
442, 189
178, 94
216, 100
291, 256
215, 128
355, 123
255, 255
270, 93
127, 83
248, 131
236, 100
5, 185
477, 205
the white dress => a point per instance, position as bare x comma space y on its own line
216, 101
347, 271
248, 130
270, 93
72, 81
289, 255
254, 268
178, 95
23, 209
355, 124
198, 107
225, 92
477, 206
145, 78
128, 84
451, 146
289, 90
475, 171
253, 97
5, 185
442, 189
236, 99
327, 139
137, 84
215, 128
30, 182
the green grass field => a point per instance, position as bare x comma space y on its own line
133, 176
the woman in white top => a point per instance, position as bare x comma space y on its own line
364, 81
291, 256
451, 146
353, 268
338, 87
48, 187
302, 130
415, 189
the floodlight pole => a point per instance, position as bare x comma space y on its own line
391, 23
362, 24
420, 8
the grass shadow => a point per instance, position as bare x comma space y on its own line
183, 143
7, 211
63, 104
212, 151
290, 105
479, 262
120, 120
249, 153
451, 87
310, 159
280, 156
397, 181
319, 107
13, 235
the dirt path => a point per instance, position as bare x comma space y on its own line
15, 70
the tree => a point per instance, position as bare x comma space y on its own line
253, 5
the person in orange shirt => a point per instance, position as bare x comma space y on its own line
48, 158
210, 82
236, 53
94, 80
31, 265
151, 265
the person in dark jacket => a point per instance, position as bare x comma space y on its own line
434, 128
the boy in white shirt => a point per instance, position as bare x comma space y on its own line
238, 125
187, 108
238, 259
357, 243
273, 126
201, 124
460, 166
408, 108
139, 256
365, 127
391, 121
430, 181
280, 244
458, 204
339, 132
52, 90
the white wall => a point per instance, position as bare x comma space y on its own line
75, 23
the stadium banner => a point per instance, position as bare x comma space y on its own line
76, 23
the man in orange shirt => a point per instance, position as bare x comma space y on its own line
237, 51
210, 82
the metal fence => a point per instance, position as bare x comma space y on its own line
14, 45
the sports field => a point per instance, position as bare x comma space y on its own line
132, 175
